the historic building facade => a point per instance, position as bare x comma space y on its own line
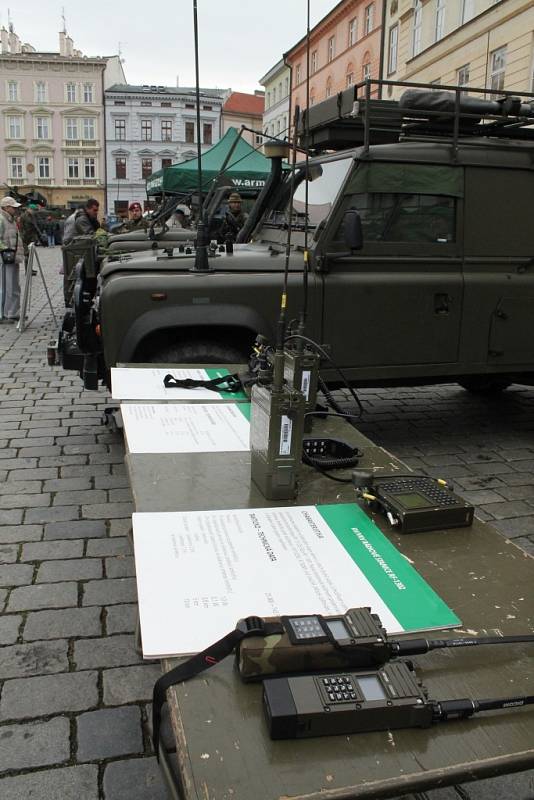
477, 43
149, 128
52, 132
277, 84
240, 109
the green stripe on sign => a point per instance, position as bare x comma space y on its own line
413, 602
218, 373
245, 409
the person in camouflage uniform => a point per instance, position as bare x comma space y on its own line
29, 229
234, 219
135, 222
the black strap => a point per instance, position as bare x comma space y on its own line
250, 626
225, 383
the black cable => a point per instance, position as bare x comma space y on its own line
326, 355
414, 647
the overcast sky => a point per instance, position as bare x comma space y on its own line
240, 40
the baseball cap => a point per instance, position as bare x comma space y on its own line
7, 202
183, 209
134, 207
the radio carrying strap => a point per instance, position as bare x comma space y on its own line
224, 383
250, 626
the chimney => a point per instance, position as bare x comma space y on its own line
70, 46
4, 39
12, 41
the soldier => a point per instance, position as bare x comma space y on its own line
234, 219
30, 231
136, 221
11, 257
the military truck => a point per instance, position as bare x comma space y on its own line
418, 228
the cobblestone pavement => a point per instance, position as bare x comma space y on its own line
74, 693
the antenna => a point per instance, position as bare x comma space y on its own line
9, 21
304, 311
201, 257
63, 19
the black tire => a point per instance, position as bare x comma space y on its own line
198, 352
484, 384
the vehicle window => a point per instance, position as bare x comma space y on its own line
388, 217
322, 189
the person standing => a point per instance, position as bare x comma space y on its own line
234, 219
136, 221
29, 231
49, 228
11, 257
82, 222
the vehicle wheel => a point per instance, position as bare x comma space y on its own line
484, 384
203, 352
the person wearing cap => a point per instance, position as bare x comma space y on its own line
135, 221
181, 217
30, 231
11, 257
234, 219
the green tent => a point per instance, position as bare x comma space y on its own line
247, 169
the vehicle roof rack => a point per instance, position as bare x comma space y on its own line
360, 117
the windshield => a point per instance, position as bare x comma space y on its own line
324, 184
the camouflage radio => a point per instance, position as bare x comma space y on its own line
355, 639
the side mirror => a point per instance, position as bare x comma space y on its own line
352, 229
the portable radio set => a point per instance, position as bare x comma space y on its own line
341, 674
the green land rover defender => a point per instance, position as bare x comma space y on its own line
439, 287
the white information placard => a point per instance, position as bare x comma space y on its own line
186, 427
199, 572
145, 383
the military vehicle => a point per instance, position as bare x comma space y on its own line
419, 229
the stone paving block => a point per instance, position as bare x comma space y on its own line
121, 618
40, 452
63, 623
44, 595
108, 547
120, 527
61, 461
518, 479
491, 468
519, 526
129, 684
49, 694
67, 484
109, 732
20, 487
105, 458
525, 544
9, 628
66, 783
112, 482
20, 533
10, 517
77, 498
75, 529
134, 779
120, 566
81, 569
3, 596
519, 786
109, 651
35, 744
86, 471
8, 553
15, 574
107, 510
508, 510
60, 548
52, 514
109, 591
85, 449
517, 493
37, 473
24, 500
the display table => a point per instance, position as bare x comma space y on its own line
223, 751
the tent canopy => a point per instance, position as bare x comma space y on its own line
247, 169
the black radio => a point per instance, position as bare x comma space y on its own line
414, 503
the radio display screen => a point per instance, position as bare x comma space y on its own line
412, 500
371, 688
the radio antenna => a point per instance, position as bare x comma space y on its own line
201, 256
304, 311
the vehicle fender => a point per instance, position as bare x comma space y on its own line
179, 317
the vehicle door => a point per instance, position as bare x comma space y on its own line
499, 268
394, 308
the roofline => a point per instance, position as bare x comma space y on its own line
270, 74
315, 27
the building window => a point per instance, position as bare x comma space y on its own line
166, 130
331, 48
146, 102
71, 92
120, 168
366, 72
368, 20
13, 91
72, 129
440, 20
146, 130
40, 92
146, 168
468, 10
286, 86
349, 79
268, 100
15, 167
280, 90
462, 76
89, 168
207, 133
166, 104
120, 130
89, 128
417, 27
190, 132
14, 127
166, 162
119, 102
207, 108
297, 73
73, 170
393, 44
42, 128
88, 93
353, 31
189, 105
43, 167
329, 87
314, 62
258, 139
498, 67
